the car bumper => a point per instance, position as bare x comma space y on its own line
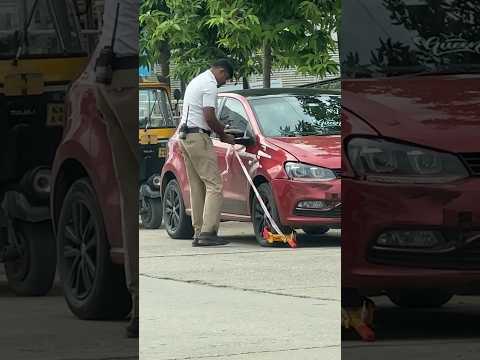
450, 210
289, 193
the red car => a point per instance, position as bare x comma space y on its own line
292, 152
411, 184
85, 207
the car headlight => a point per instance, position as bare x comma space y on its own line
387, 161
305, 172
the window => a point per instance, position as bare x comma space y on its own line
401, 37
233, 115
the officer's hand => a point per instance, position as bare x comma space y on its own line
228, 138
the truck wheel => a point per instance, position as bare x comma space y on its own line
318, 230
152, 213
33, 272
420, 298
177, 223
258, 215
94, 287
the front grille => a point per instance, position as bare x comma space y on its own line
459, 256
335, 213
472, 160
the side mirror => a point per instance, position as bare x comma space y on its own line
242, 137
177, 94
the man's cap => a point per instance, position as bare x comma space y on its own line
225, 64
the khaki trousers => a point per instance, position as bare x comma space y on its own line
118, 103
205, 181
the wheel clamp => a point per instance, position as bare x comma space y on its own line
270, 237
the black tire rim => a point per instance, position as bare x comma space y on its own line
172, 209
80, 250
260, 218
18, 269
147, 211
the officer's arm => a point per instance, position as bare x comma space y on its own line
212, 121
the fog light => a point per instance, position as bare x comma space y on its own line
324, 205
410, 239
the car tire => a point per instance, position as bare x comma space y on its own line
420, 298
33, 272
152, 213
93, 286
258, 216
315, 231
177, 223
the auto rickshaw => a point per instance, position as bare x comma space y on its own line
41, 52
156, 125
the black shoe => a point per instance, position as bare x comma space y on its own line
210, 239
195, 242
132, 329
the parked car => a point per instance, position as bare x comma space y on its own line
292, 152
411, 180
85, 206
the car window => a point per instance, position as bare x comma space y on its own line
300, 115
233, 115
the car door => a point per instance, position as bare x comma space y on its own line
235, 185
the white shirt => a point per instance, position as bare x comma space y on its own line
201, 92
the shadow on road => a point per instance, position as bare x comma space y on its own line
5, 291
303, 241
457, 320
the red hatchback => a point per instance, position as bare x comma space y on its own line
411, 185
292, 152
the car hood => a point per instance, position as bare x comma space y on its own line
322, 151
440, 111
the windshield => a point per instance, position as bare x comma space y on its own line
38, 28
154, 109
401, 37
299, 115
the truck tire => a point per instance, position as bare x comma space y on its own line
152, 213
33, 272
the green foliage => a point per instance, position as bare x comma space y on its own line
299, 33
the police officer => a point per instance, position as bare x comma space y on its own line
199, 120
114, 69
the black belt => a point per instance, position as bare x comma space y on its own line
197, 130
125, 62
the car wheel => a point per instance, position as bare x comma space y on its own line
318, 230
151, 213
32, 273
94, 287
177, 223
420, 298
259, 219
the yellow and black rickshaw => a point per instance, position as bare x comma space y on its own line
156, 126
41, 52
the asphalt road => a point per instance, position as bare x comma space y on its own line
451, 332
240, 301
43, 328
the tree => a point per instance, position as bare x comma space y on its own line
288, 33
256, 35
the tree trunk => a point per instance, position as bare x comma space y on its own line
164, 61
246, 84
267, 64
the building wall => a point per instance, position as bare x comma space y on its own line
280, 78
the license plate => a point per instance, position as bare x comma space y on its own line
55, 114
162, 152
